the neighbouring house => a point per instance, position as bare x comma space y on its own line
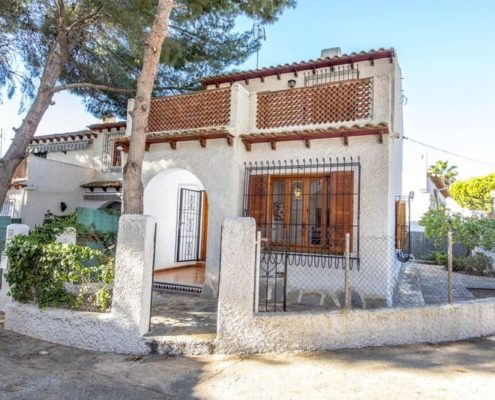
65, 171
311, 150
428, 191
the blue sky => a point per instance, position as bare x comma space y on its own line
446, 50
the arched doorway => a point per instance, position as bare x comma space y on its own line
177, 200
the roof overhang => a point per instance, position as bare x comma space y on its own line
308, 135
200, 135
294, 68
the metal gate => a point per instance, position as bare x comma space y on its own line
189, 225
272, 274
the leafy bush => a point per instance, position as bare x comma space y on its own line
478, 263
42, 271
471, 232
458, 263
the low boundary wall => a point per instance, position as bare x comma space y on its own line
123, 328
240, 330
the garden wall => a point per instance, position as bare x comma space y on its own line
240, 330
123, 328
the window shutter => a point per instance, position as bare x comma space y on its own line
258, 199
341, 209
400, 224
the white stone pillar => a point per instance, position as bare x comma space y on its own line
134, 271
236, 291
12, 231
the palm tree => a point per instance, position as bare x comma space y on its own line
447, 172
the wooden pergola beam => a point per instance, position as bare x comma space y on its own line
307, 136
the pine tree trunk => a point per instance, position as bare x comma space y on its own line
56, 60
133, 185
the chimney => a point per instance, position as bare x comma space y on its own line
331, 52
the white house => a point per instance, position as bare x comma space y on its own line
312, 150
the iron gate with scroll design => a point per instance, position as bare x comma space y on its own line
189, 223
272, 279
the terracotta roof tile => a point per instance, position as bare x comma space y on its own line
300, 66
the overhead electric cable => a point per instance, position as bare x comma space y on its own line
450, 152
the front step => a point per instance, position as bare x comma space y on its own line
176, 287
184, 345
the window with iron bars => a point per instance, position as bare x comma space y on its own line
111, 156
305, 207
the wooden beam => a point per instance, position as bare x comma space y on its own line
307, 143
295, 73
372, 61
380, 137
147, 146
273, 144
230, 140
246, 81
346, 140
173, 144
278, 76
247, 145
202, 142
262, 77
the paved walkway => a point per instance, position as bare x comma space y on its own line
174, 314
434, 284
34, 370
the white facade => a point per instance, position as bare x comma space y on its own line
57, 177
220, 168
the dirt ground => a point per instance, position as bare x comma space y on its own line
32, 369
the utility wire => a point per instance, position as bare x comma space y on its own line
450, 152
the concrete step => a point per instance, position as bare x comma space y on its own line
409, 292
182, 345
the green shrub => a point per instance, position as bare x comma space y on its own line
40, 269
458, 263
478, 263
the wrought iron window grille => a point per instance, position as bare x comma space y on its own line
304, 209
108, 153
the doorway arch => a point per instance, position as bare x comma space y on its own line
176, 198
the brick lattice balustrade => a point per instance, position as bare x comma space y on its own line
190, 111
337, 102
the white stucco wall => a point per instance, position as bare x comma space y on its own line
240, 330
50, 183
89, 157
220, 167
161, 198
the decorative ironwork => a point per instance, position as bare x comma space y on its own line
330, 75
189, 225
333, 102
110, 158
303, 210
